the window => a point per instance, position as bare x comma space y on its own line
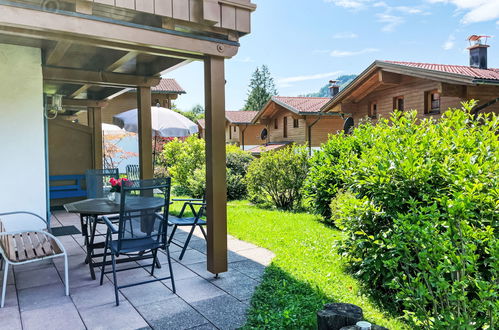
398, 103
296, 123
276, 124
432, 102
234, 129
372, 111
285, 127
230, 134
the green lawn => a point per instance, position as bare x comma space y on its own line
306, 273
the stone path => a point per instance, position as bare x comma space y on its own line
36, 300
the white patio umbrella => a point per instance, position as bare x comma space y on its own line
165, 123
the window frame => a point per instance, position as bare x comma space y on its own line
284, 127
428, 106
276, 123
296, 123
396, 105
371, 113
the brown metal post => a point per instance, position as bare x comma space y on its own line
94, 117
216, 190
145, 132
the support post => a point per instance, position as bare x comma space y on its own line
216, 190
95, 122
145, 132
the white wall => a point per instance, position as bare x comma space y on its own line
22, 137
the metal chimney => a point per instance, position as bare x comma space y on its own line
334, 88
478, 51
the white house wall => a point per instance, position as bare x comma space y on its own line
22, 137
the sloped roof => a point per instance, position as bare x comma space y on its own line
168, 85
240, 117
201, 123
492, 74
453, 74
268, 147
301, 103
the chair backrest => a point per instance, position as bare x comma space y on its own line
144, 211
97, 182
133, 172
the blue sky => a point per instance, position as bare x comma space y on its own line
306, 43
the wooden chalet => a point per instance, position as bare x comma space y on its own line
240, 130
428, 88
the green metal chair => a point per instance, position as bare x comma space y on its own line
141, 228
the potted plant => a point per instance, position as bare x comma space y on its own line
115, 191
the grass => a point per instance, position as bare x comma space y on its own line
306, 273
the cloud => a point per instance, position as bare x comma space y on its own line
449, 43
351, 4
390, 21
344, 53
286, 82
345, 35
475, 10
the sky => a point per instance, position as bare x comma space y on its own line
307, 43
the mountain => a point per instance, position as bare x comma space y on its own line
343, 81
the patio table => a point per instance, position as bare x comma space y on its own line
94, 207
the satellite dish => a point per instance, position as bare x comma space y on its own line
264, 134
348, 125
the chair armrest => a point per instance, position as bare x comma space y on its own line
187, 199
110, 225
25, 212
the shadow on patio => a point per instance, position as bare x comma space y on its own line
35, 295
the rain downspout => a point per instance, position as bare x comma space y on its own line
309, 127
242, 135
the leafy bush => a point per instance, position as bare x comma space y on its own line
181, 159
277, 177
421, 214
184, 161
237, 166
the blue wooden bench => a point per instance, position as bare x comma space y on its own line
67, 190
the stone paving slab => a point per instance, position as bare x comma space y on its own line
36, 299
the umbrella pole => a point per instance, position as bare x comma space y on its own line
154, 153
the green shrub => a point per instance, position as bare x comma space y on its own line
237, 166
184, 161
421, 215
181, 159
277, 177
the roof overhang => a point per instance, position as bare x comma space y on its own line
378, 67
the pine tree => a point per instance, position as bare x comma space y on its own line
261, 89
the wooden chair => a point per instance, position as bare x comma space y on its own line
26, 246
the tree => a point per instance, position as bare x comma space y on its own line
197, 112
261, 89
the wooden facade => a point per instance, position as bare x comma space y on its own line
284, 123
380, 90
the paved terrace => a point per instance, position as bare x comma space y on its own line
35, 293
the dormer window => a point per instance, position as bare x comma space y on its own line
432, 102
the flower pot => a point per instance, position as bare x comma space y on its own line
115, 197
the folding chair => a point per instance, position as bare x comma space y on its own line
141, 230
98, 186
198, 219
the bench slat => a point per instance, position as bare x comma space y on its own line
21, 255
38, 246
28, 246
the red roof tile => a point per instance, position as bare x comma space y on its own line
302, 104
168, 85
244, 117
456, 69
268, 147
